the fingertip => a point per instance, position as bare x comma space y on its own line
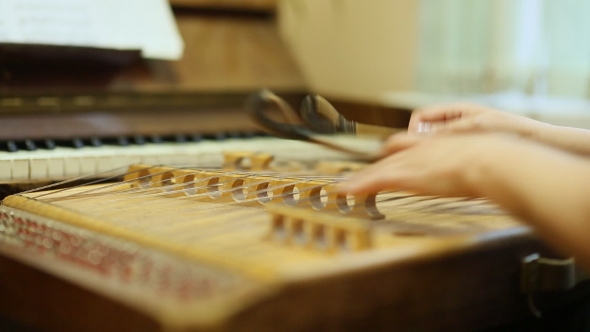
347, 187
423, 127
419, 116
391, 139
400, 142
355, 184
355, 188
343, 187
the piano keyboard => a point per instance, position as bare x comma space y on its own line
61, 163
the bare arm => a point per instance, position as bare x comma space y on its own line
575, 140
464, 118
544, 187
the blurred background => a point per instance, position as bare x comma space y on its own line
524, 55
532, 47
99, 73
528, 56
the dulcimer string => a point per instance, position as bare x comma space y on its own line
150, 191
180, 222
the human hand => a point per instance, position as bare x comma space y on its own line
466, 117
538, 184
446, 165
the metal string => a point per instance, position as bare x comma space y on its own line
148, 191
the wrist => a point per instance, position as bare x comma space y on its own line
535, 130
479, 172
487, 175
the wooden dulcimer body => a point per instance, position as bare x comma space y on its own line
262, 249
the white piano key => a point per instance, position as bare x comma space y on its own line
104, 163
150, 160
87, 165
133, 160
20, 169
5, 170
120, 164
55, 168
174, 160
189, 160
72, 167
209, 159
14, 166
38, 168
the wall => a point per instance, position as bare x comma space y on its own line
350, 48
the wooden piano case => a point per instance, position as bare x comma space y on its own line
83, 98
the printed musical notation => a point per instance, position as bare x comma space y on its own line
146, 25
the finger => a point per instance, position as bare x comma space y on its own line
459, 125
399, 142
435, 114
379, 178
462, 125
443, 113
387, 173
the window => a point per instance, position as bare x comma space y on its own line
536, 47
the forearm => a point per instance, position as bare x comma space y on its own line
546, 188
571, 139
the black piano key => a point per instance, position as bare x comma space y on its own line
95, 141
248, 134
119, 140
9, 146
156, 139
123, 141
196, 137
177, 138
27, 144
234, 134
180, 138
219, 136
47, 144
76, 143
139, 140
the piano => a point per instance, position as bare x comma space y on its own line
69, 112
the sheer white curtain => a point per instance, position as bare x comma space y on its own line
537, 47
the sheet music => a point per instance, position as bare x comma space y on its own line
146, 25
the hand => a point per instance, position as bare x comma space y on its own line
538, 184
446, 165
465, 117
